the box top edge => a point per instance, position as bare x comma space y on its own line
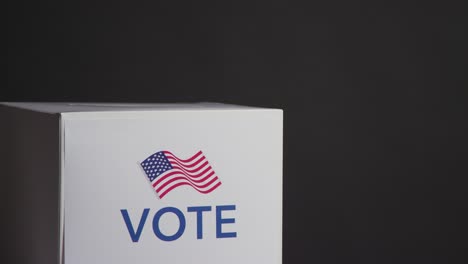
63, 107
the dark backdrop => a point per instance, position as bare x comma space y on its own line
374, 96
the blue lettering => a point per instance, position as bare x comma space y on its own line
199, 210
220, 221
135, 235
158, 215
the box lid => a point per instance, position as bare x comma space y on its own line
64, 107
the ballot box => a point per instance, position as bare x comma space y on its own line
142, 183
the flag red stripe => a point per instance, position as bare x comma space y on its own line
189, 170
174, 162
171, 174
171, 160
175, 178
181, 160
192, 175
185, 183
177, 170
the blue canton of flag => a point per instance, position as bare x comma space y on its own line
156, 165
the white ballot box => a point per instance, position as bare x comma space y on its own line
142, 183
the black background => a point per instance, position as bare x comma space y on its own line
374, 95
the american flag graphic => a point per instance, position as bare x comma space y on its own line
166, 172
